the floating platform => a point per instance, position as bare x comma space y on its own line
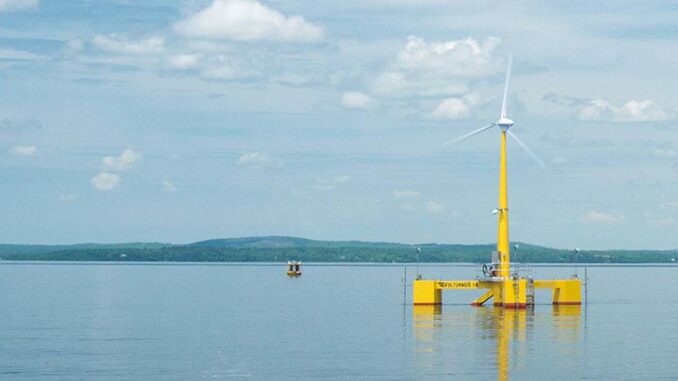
506, 293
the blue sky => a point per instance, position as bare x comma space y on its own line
177, 121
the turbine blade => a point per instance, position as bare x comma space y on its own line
468, 135
506, 84
527, 149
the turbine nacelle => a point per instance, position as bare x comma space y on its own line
504, 123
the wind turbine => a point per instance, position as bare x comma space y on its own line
504, 123
506, 291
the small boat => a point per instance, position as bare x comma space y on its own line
293, 268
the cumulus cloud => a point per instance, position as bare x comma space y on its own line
424, 68
451, 108
118, 44
168, 187
331, 183
630, 111
357, 100
456, 107
257, 160
434, 207
105, 181
247, 20
599, 217
124, 162
15, 5
22, 150
601, 109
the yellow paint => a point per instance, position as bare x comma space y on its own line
503, 246
426, 292
565, 291
513, 293
508, 293
483, 298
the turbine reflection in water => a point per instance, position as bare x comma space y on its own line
460, 342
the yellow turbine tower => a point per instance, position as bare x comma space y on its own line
506, 289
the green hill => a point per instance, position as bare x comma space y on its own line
279, 248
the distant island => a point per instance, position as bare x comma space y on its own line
281, 249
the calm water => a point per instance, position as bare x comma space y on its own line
186, 322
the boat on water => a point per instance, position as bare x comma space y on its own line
293, 268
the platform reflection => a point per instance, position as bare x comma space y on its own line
481, 342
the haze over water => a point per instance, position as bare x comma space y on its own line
217, 321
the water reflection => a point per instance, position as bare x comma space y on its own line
464, 342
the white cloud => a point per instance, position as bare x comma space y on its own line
405, 194
598, 217
247, 20
15, 5
357, 100
631, 111
332, 183
456, 107
105, 181
119, 44
68, 197
451, 108
434, 207
124, 162
438, 68
257, 160
167, 186
184, 61
22, 150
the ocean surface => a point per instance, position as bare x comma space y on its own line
103, 321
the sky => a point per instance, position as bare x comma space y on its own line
177, 121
